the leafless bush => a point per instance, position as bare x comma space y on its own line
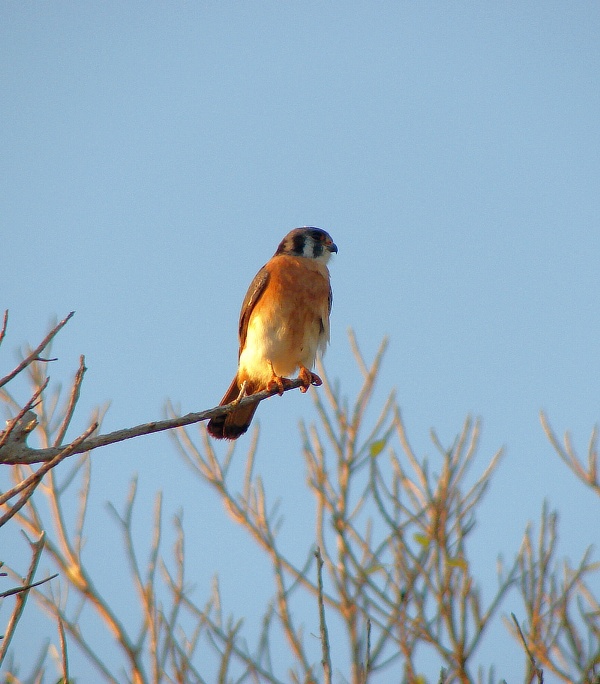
389, 569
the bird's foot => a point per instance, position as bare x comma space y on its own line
279, 384
308, 379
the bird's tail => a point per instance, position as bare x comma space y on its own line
234, 424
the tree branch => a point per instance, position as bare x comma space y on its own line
35, 354
36, 547
15, 450
326, 658
539, 673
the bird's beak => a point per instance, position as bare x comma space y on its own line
332, 247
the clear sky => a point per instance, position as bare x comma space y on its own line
153, 155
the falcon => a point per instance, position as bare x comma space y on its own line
284, 322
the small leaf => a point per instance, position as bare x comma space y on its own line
422, 539
377, 447
458, 562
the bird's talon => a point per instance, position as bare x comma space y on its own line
278, 384
308, 379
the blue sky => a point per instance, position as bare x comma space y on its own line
154, 154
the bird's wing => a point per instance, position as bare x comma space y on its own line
255, 291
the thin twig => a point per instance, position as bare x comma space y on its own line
368, 654
36, 547
326, 661
567, 454
538, 671
26, 587
63, 650
35, 354
4, 324
73, 399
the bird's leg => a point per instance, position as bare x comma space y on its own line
242, 393
277, 382
308, 378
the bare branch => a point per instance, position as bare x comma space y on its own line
37, 547
19, 427
587, 474
28, 486
63, 651
14, 453
326, 660
26, 587
538, 671
35, 354
4, 324
73, 399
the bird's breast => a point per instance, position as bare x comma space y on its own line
290, 321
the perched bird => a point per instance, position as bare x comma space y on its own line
284, 321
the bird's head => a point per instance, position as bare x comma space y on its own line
309, 242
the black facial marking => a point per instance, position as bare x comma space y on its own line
298, 244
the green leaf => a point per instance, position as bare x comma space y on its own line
422, 539
377, 447
458, 562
